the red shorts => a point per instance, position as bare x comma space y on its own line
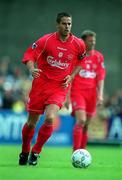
45, 91
84, 99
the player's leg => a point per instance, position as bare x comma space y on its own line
44, 133
78, 110
80, 116
85, 134
90, 111
27, 135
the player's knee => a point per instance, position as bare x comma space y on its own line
81, 122
50, 118
31, 125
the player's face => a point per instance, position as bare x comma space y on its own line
90, 42
64, 27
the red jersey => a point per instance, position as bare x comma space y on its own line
92, 71
54, 57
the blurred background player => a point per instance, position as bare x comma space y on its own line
56, 57
87, 90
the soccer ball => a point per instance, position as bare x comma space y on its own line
81, 158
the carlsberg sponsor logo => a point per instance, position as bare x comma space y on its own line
87, 74
57, 63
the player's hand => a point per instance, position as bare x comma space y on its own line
35, 72
100, 100
67, 81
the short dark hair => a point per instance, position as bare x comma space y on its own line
62, 14
87, 33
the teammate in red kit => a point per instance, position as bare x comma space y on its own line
57, 59
87, 90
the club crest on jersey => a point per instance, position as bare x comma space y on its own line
34, 45
70, 57
60, 54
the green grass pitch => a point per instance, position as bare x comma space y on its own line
55, 164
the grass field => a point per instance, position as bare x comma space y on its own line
55, 164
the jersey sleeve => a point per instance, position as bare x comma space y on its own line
35, 50
101, 68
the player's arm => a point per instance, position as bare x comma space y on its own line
75, 71
78, 66
100, 91
100, 80
68, 79
68, 100
35, 72
31, 57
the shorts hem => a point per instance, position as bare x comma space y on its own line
34, 111
91, 114
78, 108
53, 102
88, 113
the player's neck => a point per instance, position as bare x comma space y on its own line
64, 38
88, 52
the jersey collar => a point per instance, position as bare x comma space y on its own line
70, 38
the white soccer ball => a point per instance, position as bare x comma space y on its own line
81, 158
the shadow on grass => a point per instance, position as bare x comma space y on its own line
8, 165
